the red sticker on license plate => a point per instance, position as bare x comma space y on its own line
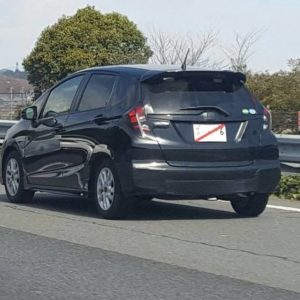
210, 133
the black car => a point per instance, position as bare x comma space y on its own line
120, 134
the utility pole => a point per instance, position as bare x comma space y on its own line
11, 99
23, 96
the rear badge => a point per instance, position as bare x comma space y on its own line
250, 111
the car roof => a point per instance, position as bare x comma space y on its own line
144, 71
137, 70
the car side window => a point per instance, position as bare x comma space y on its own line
97, 92
125, 92
61, 97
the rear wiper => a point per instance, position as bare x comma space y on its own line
204, 107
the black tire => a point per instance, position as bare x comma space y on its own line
21, 195
120, 205
251, 206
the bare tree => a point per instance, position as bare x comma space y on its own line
171, 49
162, 46
294, 64
240, 51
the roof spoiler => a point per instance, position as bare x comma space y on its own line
152, 76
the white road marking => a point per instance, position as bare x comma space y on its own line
284, 208
287, 208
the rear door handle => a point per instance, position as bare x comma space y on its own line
100, 119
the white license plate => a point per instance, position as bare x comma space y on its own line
210, 133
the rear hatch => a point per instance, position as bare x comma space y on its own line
203, 119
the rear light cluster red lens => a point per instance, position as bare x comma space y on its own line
267, 119
133, 117
137, 119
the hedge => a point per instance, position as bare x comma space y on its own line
289, 188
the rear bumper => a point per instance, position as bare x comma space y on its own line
160, 179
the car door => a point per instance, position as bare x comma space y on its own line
90, 123
46, 158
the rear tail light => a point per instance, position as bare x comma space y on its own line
267, 119
137, 118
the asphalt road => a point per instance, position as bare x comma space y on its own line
57, 248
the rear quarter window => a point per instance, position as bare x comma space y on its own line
125, 93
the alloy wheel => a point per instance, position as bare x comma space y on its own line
105, 188
12, 177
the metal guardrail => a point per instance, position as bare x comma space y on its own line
289, 147
4, 126
289, 153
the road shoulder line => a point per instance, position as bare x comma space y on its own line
286, 208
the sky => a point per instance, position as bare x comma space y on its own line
278, 22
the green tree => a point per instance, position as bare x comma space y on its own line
280, 91
87, 39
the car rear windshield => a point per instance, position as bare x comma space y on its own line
175, 93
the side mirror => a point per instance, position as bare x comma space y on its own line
49, 122
29, 113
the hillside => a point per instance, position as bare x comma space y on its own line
15, 80
14, 74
